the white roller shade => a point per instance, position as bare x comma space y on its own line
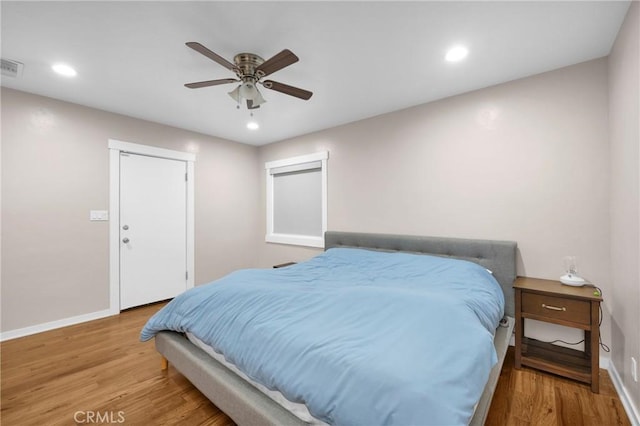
297, 203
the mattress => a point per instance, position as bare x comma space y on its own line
501, 342
297, 409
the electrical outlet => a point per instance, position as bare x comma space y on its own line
634, 369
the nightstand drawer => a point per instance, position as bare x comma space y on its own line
560, 308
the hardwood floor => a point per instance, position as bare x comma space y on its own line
531, 397
98, 372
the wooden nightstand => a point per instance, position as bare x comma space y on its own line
552, 302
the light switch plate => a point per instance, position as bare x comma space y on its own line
98, 215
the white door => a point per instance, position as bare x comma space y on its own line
153, 229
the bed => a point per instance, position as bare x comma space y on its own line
231, 390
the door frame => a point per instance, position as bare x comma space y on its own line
115, 148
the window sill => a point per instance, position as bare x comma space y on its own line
296, 240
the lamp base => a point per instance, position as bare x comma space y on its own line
572, 280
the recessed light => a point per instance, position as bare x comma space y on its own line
456, 53
64, 69
252, 125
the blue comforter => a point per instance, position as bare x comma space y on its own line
361, 337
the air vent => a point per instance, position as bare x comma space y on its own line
11, 68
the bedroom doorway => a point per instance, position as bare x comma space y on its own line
151, 224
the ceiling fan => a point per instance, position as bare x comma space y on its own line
250, 69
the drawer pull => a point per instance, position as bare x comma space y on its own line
554, 308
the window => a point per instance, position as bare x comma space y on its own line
297, 200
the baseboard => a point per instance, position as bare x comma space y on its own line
605, 362
625, 398
39, 328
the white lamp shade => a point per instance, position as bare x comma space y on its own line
235, 94
258, 99
248, 90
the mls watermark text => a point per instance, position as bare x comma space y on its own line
98, 417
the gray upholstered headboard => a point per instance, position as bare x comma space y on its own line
497, 256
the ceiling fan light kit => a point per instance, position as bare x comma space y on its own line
250, 69
248, 91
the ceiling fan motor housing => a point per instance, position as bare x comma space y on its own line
246, 64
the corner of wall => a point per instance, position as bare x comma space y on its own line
624, 137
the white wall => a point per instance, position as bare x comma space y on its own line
526, 161
624, 132
55, 168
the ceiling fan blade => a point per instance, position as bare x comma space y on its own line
287, 90
277, 62
211, 55
208, 83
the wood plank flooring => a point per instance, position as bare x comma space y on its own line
99, 373
531, 397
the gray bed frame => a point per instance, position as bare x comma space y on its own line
248, 406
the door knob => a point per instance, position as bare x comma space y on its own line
125, 240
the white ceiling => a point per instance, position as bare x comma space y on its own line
360, 59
